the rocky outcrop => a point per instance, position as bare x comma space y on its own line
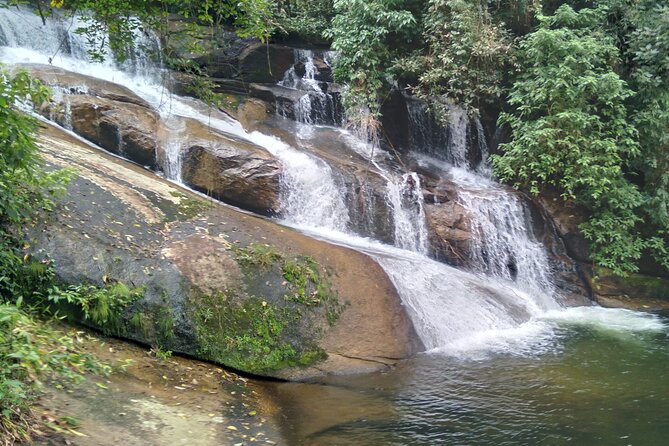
229, 169
636, 291
448, 222
112, 117
252, 62
125, 129
107, 114
449, 232
644, 291
210, 274
566, 217
67, 82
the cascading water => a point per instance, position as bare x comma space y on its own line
307, 179
173, 150
503, 243
403, 195
316, 105
427, 135
448, 306
406, 200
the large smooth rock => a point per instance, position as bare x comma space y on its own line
120, 223
107, 114
125, 129
232, 170
67, 82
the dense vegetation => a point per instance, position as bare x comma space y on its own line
583, 85
29, 348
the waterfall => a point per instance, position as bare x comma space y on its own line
404, 196
450, 143
449, 306
307, 179
406, 201
173, 151
503, 244
446, 305
316, 105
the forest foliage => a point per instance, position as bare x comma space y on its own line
583, 85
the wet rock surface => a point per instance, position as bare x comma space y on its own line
231, 170
125, 129
120, 223
153, 401
112, 117
248, 61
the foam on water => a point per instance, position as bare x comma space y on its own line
542, 335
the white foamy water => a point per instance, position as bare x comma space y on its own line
503, 243
541, 335
315, 106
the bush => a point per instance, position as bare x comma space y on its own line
30, 352
572, 131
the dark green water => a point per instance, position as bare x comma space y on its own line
585, 380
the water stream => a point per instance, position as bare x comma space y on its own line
597, 377
504, 312
315, 105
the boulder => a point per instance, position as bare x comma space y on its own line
216, 283
252, 112
69, 83
449, 232
125, 129
635, 291
232, 170
105, 113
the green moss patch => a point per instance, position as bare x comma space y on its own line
259, 334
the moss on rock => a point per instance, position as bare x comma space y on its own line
281, 329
